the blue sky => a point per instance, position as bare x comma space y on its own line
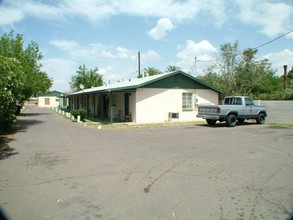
109, 33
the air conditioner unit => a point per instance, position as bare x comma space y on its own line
173, 115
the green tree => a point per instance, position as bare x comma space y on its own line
20, 76
254, 77
86, 77
150, 71
172, 68
214, 79
227, 63
241, 73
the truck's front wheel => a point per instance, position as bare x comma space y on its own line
231, 121
211, 121
261, 118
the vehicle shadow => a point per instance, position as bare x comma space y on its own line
223, 124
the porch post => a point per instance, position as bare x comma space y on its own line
94, 97
111, 107
102, 106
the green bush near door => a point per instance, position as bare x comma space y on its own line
81, 112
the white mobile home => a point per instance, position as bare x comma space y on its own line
165, 97
49, 99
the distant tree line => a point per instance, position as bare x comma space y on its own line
241, 73
21, 76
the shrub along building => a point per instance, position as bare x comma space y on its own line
172, 96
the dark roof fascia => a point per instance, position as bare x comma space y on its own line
209, 86
185, 74
51, 94
135, 87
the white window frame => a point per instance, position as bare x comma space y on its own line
187, 101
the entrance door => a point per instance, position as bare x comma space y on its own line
47, 101
126, 103
105, 105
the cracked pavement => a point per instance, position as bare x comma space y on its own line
64, 170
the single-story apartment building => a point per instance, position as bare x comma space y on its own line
172, 96
49, 99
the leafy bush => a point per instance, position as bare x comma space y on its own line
81, 112
278, 95
7, 111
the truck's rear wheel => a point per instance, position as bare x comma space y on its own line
261, 118
211, 121
231, 121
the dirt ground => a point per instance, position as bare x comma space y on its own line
63, 170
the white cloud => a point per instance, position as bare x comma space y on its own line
9, 16
163, 25
92, 51
193, 49
199, 54
94, 10
98, 10
122, 52
279, 59
65, 45
150, 56
61, 71
272, 18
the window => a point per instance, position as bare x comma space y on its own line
186, 101
47, 101
233, 101
238, 101
248, 101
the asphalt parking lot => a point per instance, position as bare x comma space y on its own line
66, 171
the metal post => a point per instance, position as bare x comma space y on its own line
285, 76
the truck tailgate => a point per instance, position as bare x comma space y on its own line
208, 111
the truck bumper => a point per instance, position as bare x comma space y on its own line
213, 117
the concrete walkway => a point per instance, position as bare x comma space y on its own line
66, 171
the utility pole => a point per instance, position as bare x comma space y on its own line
285, 76
138, 64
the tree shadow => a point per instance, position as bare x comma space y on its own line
26, 114
5, 150
22, 123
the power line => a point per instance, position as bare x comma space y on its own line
273, 40
283, 35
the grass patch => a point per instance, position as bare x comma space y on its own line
124, 126
279, 125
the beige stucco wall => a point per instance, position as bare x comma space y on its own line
154, 105
206, 96
53, 102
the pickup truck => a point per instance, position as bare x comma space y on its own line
234, 108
